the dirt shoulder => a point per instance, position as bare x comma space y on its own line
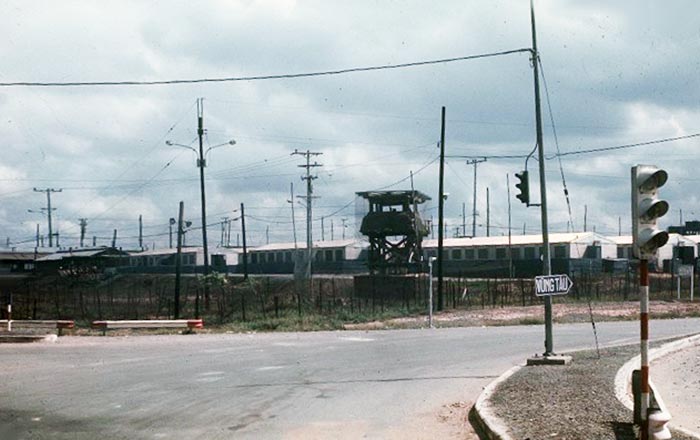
562, 313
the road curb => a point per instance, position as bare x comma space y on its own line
623, 378
23, 339
487, 423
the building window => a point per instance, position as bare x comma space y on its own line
329, 255
469, 254
456, 254
280, 257
515, 253
483, 254
559, 251
529, 253
288, 257
501, 253
254, 258
339, 255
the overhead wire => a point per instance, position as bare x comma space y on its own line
260, 77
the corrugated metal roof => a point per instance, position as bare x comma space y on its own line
20, 256
519, 240
185, 250
621, 239
350, 242
81, 253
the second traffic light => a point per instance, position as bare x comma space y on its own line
524, 187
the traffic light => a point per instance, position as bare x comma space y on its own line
524, 187
646, 208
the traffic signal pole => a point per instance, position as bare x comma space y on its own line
647, 238
644, 346
546, 262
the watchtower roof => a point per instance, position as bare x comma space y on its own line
396, 197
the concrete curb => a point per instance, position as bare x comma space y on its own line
487, 422
623, 378
23, 339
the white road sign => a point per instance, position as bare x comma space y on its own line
552, 285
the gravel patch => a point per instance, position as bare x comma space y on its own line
568, 402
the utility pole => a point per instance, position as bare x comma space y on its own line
291, 202
619, 226
441, 210
37, 235
585, 218
267, 234
48, 208
323, 230
201, 164
228, 234
474, 162
464, 219
546, 262
114, 239
245, 249
224, 224
332, 236
140, 231
94, 240
171, 222
488, 213
83, 227
510, 239
309, 198
178, 261
344, 226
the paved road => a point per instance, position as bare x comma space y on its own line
677, 376
381, 384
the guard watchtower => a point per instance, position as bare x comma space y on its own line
395, 230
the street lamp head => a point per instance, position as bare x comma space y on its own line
232, 142
169, 143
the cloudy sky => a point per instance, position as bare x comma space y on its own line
618, 73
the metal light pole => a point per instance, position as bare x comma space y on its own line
201, 163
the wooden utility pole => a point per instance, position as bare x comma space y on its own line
441, 210
140, 232
49, 209
488, 213
178, 261
245, 249
474, 162
291, 202
309, 198
83, 227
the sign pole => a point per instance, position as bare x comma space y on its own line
644, 330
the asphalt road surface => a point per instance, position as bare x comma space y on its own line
378, 384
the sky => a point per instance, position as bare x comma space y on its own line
616, 73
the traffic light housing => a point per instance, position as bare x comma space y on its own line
524, 187
646, 209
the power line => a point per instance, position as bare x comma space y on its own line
621, 147
259, 77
